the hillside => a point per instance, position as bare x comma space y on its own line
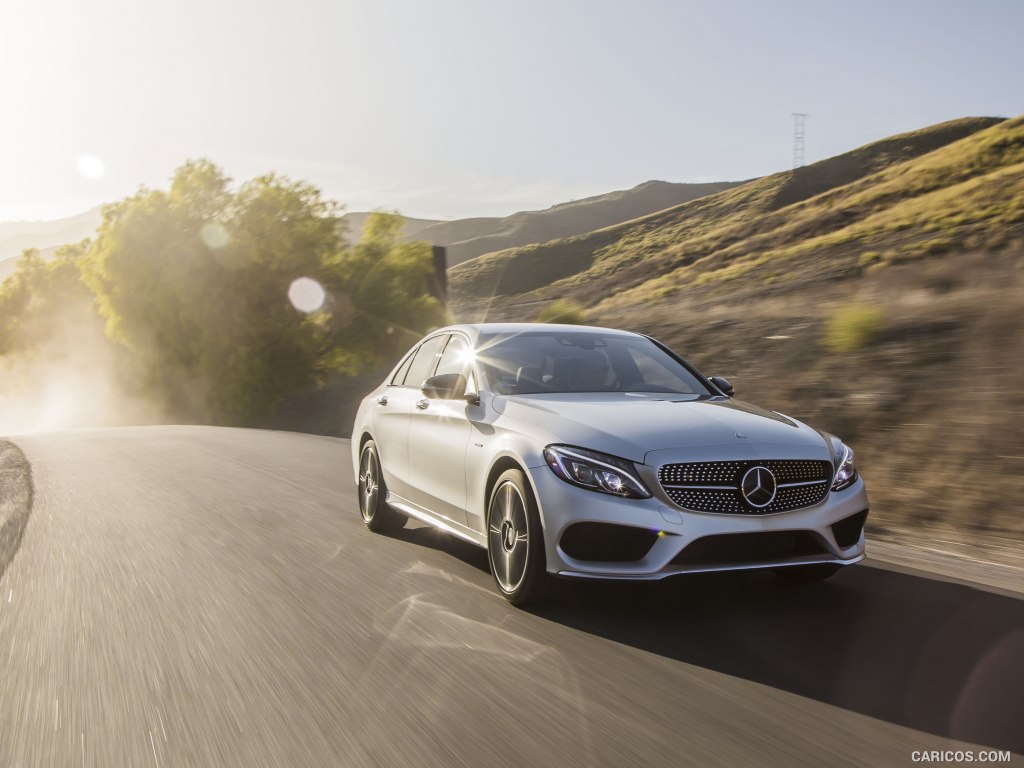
878, 295
812, 207
466, 239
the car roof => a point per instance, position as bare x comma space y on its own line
475, 330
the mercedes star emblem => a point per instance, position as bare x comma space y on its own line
758, 487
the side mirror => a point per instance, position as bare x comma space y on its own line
447, 386
723, 384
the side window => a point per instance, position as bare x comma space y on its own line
455, 356
423, 361
399, 377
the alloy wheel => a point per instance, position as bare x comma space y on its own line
508, 536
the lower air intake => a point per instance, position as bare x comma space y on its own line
847, 531
745, 548
606, 542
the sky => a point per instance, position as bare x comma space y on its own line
456, 108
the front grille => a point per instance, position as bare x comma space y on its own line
714, 486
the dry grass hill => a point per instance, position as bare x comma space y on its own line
823, 206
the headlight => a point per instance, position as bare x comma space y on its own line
595, 471
846, 468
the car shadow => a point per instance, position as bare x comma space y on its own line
940, 657
936, 656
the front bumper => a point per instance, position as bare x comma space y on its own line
671, 530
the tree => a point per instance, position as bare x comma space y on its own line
195, 282
41, 297
382, 305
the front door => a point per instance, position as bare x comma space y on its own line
393, 411
439, 435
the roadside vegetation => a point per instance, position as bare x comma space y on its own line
562, 311
852, 327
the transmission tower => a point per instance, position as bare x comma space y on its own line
799, 131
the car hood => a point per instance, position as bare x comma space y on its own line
633, 425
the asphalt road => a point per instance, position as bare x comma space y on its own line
188, 596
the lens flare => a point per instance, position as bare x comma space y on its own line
215, 236
306, 295
91, 166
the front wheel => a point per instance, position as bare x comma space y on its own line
515, 541
377, 515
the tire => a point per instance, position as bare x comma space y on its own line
808, 573
377, 515
515, 541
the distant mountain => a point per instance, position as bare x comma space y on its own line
16, 236
468, 238
45, 236
354, 222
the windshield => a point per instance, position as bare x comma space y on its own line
553, 362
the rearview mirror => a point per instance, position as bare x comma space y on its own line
723, 384
447, 386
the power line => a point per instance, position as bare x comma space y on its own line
799, 131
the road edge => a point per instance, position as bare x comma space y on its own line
16, 495
920, 560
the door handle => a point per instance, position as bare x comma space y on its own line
423, 404
382, 400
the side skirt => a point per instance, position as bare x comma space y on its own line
428, 517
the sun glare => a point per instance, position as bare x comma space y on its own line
91, 166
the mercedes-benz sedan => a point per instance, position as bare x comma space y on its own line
596, 453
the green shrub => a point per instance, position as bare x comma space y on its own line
562, 311
869, 257
853, 327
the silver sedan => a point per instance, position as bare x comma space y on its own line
595, 453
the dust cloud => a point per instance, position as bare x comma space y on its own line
72, 378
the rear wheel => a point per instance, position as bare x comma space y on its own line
807, 573
377, 515
515, 541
